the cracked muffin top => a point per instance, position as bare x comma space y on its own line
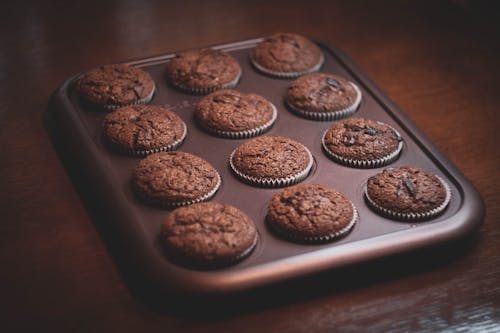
271, 157
407, 191
112, 86
233, 111
360, 141
175, 179
143, 129
208, 233
287, 55
322, 93
310, 213
203, 71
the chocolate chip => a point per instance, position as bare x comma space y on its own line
349, 141
138, 90
409, 186
399, 191
370, 131
332, 82
226, 99
325, 90
219, 99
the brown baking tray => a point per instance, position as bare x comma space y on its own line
136, 226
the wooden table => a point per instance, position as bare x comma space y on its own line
439, 61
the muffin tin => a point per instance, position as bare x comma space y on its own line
137, 225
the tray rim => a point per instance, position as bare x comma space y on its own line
468, 217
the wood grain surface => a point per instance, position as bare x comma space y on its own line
438, 60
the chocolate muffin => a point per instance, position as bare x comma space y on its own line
271, 161
139, 130
321, 96
208, 234
232, 114
203, 71
171, 179
113, 86
287, 55
407, 193
362, 143
310, 213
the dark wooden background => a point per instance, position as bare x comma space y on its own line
438, 60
